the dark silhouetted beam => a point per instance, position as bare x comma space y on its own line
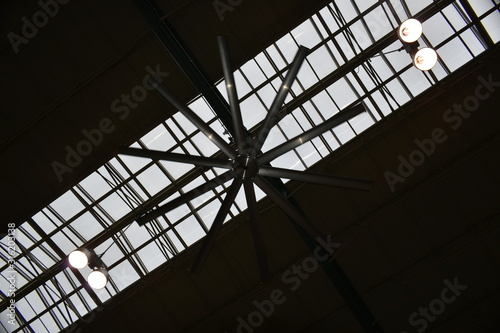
317, 178
287, 207
334, 121
258, 239
209, 240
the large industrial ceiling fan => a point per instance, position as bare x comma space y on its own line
247, 166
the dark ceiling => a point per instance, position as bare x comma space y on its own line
399, 248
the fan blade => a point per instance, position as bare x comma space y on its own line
194, 118
186, 197
258, 240
209, 241
272, 116
174, 157
334, 121
239, 130
287, 207
316, 178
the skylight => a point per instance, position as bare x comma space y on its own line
99, 210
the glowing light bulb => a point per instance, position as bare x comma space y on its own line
425, 59
78, 259
98, 278
410, 30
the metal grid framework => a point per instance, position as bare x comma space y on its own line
353, 58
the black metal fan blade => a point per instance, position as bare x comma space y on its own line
258, 239
317, 178
209, 240
186, 197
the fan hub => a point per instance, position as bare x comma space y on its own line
245, 167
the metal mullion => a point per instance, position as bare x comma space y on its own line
159, 244
171, 226
366, 65
382, 89
127, 186
134, 196
348, 35
45, 303
125, 241
49, 253
167, 242
465, 18
383, 56
170, 244
335, 43
68, 303
203, 174
37, 316
91, 208
22, 323
117, 187
44, 300
19, 265
286, 138
49, 218
32, 259
51, 307
321, 137
125, 252
27, 234
67, 225
194, 210
478, 29
76, 290
163, 232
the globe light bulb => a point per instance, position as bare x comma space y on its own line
425, 59
410, 30
98, 278
78, 259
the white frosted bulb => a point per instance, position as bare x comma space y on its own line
97, 279
410, 30
78, 259
425, 59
